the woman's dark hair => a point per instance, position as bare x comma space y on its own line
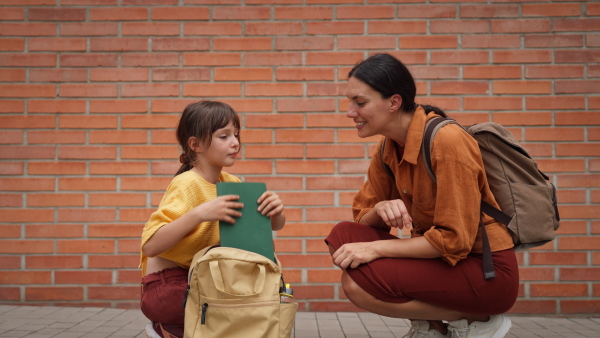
201, 120
389, 76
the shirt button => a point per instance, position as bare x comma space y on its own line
405, 191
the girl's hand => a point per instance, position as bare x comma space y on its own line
351, 255
222, 208
394, 214
270, 204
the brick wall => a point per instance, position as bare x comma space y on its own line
91, 90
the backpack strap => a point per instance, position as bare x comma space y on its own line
432, 127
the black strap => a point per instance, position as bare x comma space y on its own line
487, 260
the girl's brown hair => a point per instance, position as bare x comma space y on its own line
201, 120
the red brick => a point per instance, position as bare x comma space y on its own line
82, 277
13, 45
212, 89
117, 199
8, 294
56, 168
213, 28
25, 246
273, 28
274, 121
54, 262
113, 261
332, 58
54, 230
26, 184
53, 293
241, 44
187, 74
304, 136
428, 42
11, 231
324, 276
580, 306
304, 13
178, 44
557, 102
86, 215
150, 28
554, 134
489, 11
576, 25
89, 152
118, 136
242, 74
12, 106
115, 230
119, 14
11, 200
557, 258
305, 167
121, 44
270, 151
459, 26
490, 41
304, 43
119, 106
579, 274
114, 292
56, 14
12, 75
57, 44
55, 137
25, 277
88, 90
12, 14
27, 90
577, 86
577, 149
11, 137
552, 72
392, 27
85, 246
304, 74
55, 200
366, 42
88, 29
180, 13
534, 307
28, 29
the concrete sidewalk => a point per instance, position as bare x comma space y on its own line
36, 321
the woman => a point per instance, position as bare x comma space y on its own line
435, 277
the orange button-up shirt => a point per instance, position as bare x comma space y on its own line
446, 213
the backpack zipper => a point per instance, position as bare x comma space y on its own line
203, 316
232, 306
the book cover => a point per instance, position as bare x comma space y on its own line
252, 231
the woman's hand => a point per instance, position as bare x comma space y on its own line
270, 204
223, 208
394, 214
351, 255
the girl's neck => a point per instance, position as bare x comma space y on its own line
210, 175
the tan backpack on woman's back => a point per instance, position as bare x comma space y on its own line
234, 293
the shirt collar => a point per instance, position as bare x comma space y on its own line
414, 139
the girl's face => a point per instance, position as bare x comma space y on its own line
367, 108
224, 148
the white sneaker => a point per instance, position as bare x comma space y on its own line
496, 327
420, 329
150, 332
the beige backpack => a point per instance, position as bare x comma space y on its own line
235, 293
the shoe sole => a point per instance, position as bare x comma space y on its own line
150, 333
503, 329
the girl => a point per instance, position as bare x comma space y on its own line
187, 218
436, 276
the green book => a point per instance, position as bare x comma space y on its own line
252, 231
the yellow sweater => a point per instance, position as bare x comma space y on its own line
186, 191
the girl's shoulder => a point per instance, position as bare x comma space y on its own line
227, 177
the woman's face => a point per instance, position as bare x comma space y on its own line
367, 108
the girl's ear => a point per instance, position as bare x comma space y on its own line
395, 102
195, 144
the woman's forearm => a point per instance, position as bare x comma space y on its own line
416, 247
